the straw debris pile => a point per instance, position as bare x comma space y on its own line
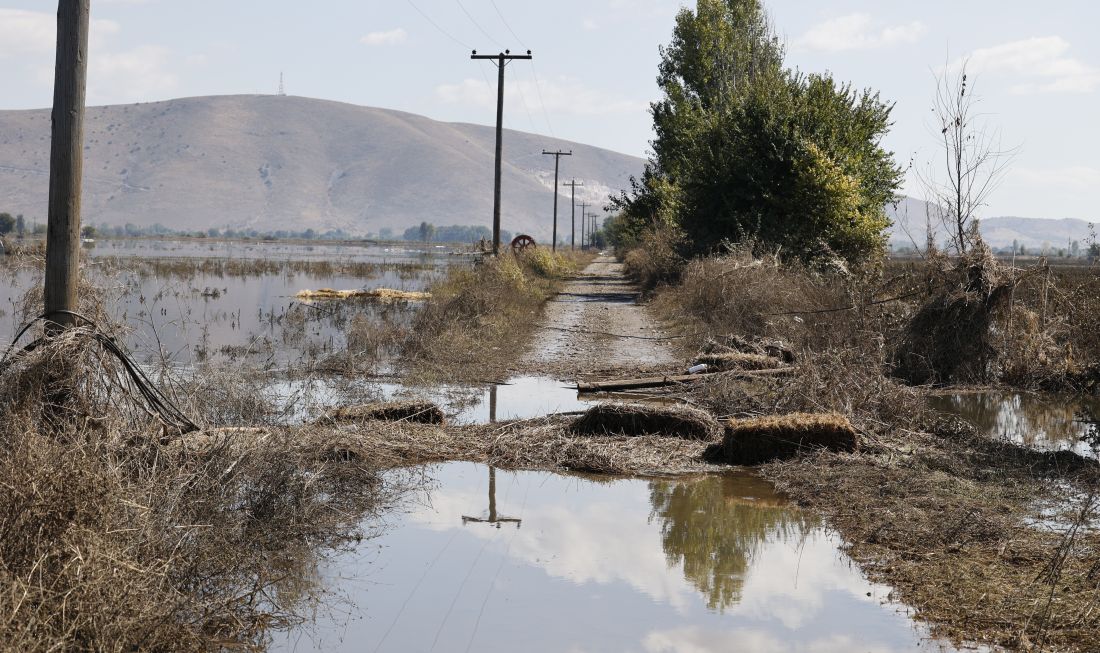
380, 294
422, 412
775, 437
683, 422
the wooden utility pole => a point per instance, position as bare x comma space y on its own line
592, 229
66, 160
501, 61
573, 218
584, 222
557, 157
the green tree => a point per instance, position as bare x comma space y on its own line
7, 223
746, 149
20, 225
714, 533
88, 231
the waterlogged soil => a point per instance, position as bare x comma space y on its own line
1041, 421
187, 301
596, 327
490, 560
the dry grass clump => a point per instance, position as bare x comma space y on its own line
110, 541
490, 309
759, 297
421, 412
647, 419
777, 437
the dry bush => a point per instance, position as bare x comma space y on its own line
743, 294
950, 338
478, 320
656, 260
109, 541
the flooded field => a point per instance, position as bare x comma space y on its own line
1037, 420
187, 301
490, 560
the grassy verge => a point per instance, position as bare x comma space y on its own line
479, 320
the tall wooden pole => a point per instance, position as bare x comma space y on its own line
66, 160
557, 157
573, 183
584, 223
501, 60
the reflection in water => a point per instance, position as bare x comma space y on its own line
1041, 421
714, 528
705, 564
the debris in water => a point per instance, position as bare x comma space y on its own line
381, 294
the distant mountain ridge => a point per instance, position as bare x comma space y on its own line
277, 162
911, 226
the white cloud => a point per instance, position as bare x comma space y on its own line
1039, 65
857, 32
28, 33
132, 75
561, 95
1072, 178
589, 25
391, 37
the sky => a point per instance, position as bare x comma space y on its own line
1035, 67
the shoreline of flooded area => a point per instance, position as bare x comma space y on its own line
495, 560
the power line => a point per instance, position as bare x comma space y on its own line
436, 25
557, 154
538, 86
506, 25
478, 25
545, 113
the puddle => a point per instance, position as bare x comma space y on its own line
533, 561
1041, 421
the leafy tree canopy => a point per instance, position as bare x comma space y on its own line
747, 149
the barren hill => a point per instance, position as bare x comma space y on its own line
277, 162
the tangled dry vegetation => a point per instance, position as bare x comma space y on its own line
112, 540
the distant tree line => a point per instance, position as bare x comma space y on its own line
427, 232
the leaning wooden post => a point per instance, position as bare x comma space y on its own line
66, 160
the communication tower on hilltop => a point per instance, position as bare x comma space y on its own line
282, 90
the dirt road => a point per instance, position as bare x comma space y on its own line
596, 327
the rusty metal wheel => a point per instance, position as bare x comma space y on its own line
522, 243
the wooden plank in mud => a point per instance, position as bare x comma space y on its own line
660, 381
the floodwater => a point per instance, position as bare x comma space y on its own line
1048, 422
184, 301
490, 560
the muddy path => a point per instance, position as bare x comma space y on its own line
595, 327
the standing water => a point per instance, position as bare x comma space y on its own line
533, 561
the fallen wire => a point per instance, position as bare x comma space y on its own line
164, 408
